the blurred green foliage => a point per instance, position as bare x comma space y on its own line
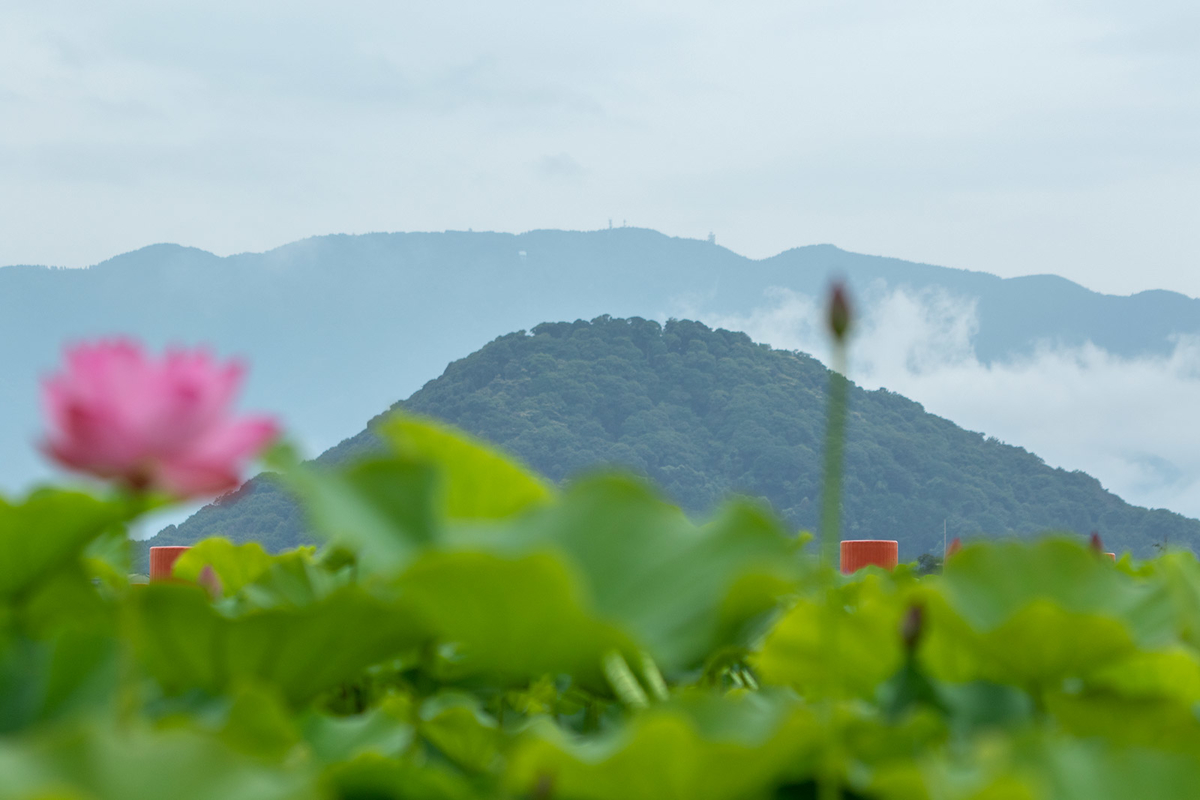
468, 632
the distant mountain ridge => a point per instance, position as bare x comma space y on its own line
337, 327
705, 413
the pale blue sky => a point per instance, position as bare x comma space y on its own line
1010, 136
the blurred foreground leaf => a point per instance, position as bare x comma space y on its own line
186, 644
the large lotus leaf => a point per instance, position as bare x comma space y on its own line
510, 617
1039, 646
1032, 615
259, 723
1157, 723
475, 481
68, 674
68, 598
185, 643
987, 584
1042, 644
383, 731
680, 591
1168, 674
292, 579
1180, 575
234, 565
1087, 770
135, 764
46, 531
862, 650
380, 508
388, 508
695, 748
373, 777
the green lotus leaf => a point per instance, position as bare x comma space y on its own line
45, 532
475, 481
234, 565
696, 748
186, 644
863, 647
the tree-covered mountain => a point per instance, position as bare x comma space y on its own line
337, 327
705, 413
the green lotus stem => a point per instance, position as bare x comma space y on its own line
835, 434
623, 682
654, 679
831, 507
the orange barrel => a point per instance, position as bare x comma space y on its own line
162, 559
859, 553
1113, 556
952, 548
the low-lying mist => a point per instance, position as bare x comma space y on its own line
1128, 422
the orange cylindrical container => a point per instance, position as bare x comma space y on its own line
162, 559
952, 548
859, 553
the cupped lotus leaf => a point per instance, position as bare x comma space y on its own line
475, 481
455, 724
987, 584
291, 579
384, 731
1033, 615
510, 618
863, 648
186, 644
380, 508
1043, 644
1179, 574
1162, 724
1172, 674
234, 565
46, 531
695, 748
680, 591
1039, 646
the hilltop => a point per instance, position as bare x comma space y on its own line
705, 413
337, 327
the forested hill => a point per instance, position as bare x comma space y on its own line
705, 413
338, 327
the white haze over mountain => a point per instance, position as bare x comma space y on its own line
1010, 136
1128, 422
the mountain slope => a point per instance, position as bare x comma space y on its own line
707, 412
338, 327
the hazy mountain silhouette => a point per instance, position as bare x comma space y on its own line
337, 327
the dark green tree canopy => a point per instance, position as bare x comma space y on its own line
705, 413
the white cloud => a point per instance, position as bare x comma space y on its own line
1012, 136
1128, 422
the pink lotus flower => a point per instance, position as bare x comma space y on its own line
161, 425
